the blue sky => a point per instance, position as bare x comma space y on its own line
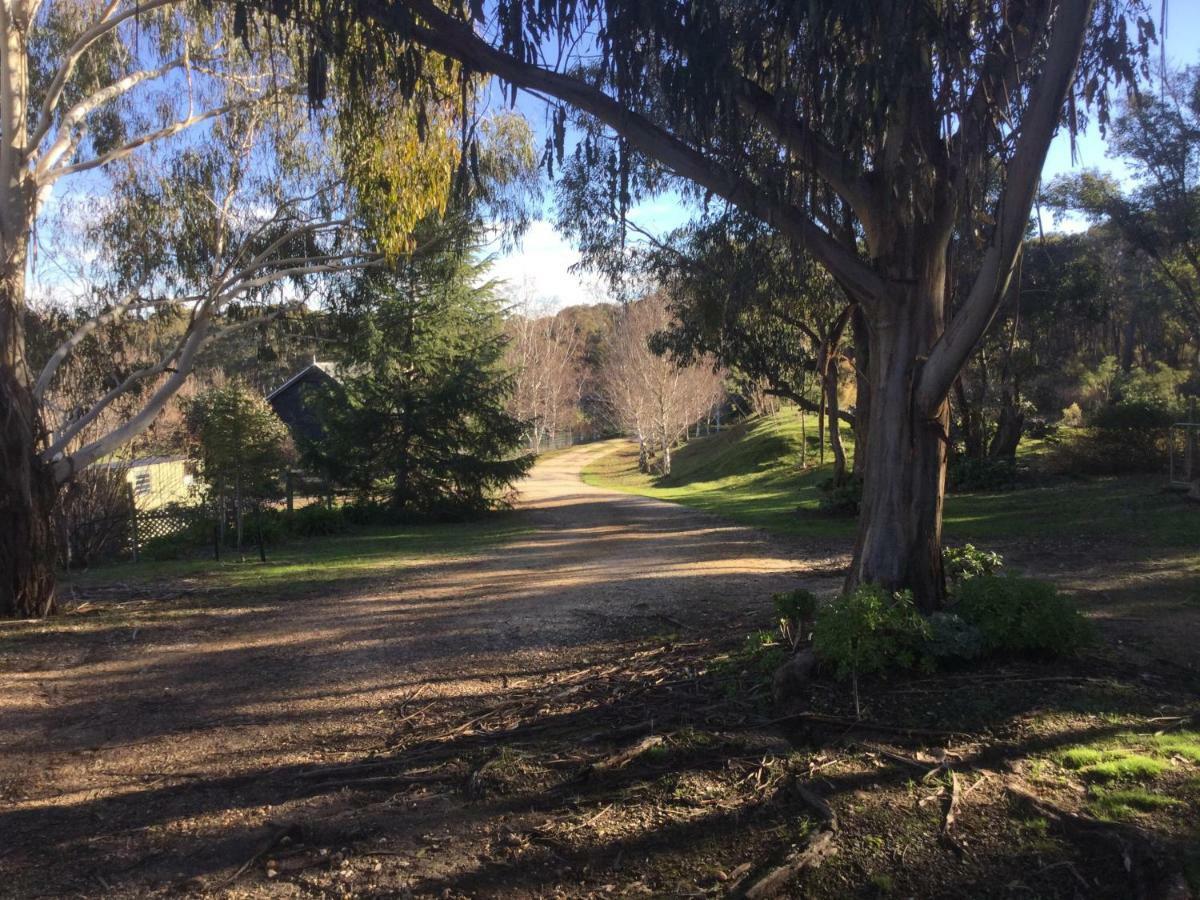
539, 268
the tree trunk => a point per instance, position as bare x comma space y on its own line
27, 492
970, 423
27, 486
900, 521
237, 508
830, 386
1008, 430
862, 381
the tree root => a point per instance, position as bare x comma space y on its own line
818, 847
1144, 862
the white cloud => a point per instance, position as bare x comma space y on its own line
538, 270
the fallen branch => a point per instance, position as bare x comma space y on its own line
626, 756
818, 847
952, 816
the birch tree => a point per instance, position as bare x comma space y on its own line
650, 397
545, 355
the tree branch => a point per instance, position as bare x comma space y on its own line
452, 37
126, 303
63, 140
74, 53
821, 157
952, 349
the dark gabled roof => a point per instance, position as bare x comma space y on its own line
324, 368
291, 400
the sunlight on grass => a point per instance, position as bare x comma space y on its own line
1130, 757
1126, 803
299, 566
751, 474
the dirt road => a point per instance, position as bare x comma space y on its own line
187, 745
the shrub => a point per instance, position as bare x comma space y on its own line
1072, 416
1022, 615
967, 474
368, 512
183, 545
317, 521
272, 522
953, 639
1130, 436
962, 563
870, 630
840, 499
795, 610
1038, 428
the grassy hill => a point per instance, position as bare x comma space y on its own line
751, 474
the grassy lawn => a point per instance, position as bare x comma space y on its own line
298, 566
750, 474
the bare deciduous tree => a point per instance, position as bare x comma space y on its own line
546, 357
648, 396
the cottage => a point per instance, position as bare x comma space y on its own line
293, 400
156, 481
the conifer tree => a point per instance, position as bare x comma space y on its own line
420, 417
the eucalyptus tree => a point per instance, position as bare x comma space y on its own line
892, 109
1158, 133
209, 194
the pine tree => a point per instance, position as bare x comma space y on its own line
420, 415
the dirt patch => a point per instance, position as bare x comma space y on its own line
565, 714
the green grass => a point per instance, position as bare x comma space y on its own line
304, 565
1125, 803
751, 474
1081, 757
1182, 743
1127, 767
1130, 757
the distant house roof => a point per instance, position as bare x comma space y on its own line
291, 400
324, 368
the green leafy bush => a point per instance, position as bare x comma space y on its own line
1038, 428
795, 610
967, 561
840, 499
369, 512
1022, 615
317, 521
1130, 436
182, 545
967, 474
871, 630
953, 639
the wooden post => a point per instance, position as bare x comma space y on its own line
217, 541
262, 552
1190, 463
287, 480
133, 523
